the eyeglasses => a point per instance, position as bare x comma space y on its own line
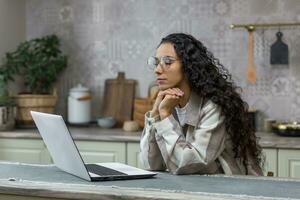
164, 61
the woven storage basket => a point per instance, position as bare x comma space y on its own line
141, 106
26, 103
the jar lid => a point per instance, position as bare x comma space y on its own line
79, 88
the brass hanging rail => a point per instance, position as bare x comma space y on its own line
253, 26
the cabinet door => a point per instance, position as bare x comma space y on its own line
289, 163
24, 150
271, 161
133, 153
96, 152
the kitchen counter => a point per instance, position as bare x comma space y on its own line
94, 133
47, 181
271, 140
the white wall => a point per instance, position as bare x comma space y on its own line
12, 24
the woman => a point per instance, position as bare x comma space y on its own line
198, 123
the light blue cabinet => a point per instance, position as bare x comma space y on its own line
133, 149
93, 152
34, 151
24, 150
271, 160
289, 163
283, 162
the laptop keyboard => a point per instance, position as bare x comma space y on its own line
102, 171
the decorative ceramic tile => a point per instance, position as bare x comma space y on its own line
260, 88
264, 56
115, 67
65, 33
221, 7
66, 14
266, 7
206, 8
221, 28
295, 85
114, 49
98, 12
239, 8
295, 113
50, 16
103, 37
184, 26
280, 86
260, 104
100, 48
220, 47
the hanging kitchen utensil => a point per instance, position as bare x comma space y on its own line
251, 73
279, 51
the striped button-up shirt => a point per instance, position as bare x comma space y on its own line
200, 146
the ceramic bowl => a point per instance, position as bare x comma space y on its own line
106, 122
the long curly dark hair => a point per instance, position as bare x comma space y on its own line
211, 80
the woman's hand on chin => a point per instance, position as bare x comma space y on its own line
171, 98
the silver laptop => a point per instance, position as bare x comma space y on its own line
66, 156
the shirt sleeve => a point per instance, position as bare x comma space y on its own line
199, 153
150, 157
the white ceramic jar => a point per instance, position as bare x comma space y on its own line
79, 105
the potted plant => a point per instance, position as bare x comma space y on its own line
39, 61
7, 109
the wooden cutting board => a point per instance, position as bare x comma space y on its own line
118, 98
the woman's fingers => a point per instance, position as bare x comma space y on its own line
171, 93
164, 92
171, 96
178, 91
174, 91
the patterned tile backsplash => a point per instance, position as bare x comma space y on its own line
103, 37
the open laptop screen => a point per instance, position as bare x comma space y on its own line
67, 157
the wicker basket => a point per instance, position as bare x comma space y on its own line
141, 106
26, 103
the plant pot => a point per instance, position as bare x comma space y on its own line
7, 118
29, 102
